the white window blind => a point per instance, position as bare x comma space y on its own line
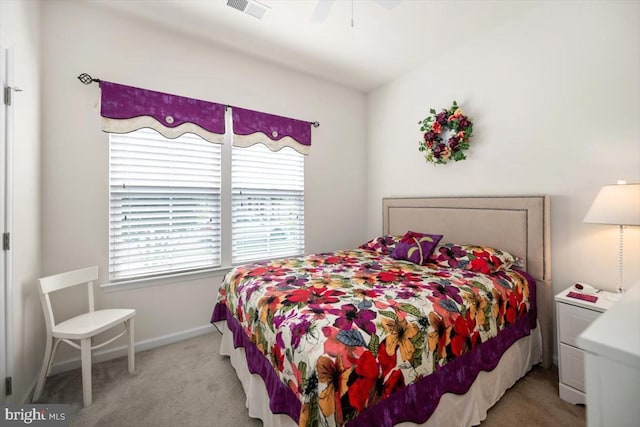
267, 203
164, 204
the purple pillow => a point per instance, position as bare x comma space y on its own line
416, 247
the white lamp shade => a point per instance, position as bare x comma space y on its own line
616, 204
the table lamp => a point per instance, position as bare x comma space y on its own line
617, 205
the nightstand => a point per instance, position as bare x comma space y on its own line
573, 316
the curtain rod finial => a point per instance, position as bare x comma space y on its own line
315, 124
87, 79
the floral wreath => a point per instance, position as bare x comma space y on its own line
435, 127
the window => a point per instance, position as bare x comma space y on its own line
166, 192
165, 204
267, 203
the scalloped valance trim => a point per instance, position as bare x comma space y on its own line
130, 125
261, 138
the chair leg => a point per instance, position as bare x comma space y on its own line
43, 370
132, 351
85, 354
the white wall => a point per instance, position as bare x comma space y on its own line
20, 28
555, 99
86, 38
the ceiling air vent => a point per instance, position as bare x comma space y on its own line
250, 7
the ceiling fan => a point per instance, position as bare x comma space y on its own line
323, 8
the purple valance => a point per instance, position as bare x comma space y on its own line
125, 109
252, 127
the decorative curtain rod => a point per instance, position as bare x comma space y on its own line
87, 79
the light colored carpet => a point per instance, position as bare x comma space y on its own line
189, 384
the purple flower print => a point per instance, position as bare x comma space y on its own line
249, 290
371, 267
298, 331
278, 320
405, 294
443, 291
295, 281
362, 319
279, 340
451, 254
388, 240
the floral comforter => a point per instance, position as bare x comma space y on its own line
347, 330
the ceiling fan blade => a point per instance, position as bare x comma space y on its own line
321, 11
388, 4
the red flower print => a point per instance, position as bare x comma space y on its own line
410, 237
240, 314
277, 358
515, 306
341, 259
388, 276
364, 293
314, 295
480, 265
266, 270
436, 128
296, 386
375, 379
367, 373
409, 277
495, 261
485, 262
465, 337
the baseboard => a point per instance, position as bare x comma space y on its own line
121, 351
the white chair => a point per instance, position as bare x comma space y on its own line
81, 328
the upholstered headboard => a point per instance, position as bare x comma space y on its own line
518, 224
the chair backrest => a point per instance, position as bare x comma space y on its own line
61, 281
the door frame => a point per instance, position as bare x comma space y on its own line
6, 185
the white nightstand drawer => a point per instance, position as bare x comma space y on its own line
572, 362
572, 321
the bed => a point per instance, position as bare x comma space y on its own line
356, 337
